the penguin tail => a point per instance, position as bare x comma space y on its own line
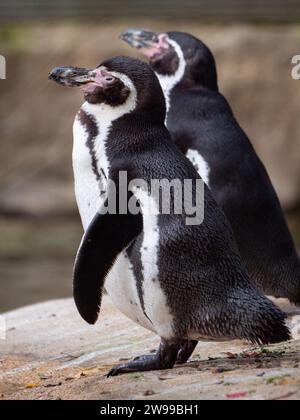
258, 319
269, 328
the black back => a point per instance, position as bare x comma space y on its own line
200, 118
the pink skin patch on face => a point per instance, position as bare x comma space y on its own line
161, 46
101, 79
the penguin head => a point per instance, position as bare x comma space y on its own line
176, 54
115, 82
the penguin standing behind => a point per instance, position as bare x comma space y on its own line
202, 124
183, 282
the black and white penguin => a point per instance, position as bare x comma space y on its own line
183, 282
202, 124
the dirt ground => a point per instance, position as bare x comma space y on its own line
50, 353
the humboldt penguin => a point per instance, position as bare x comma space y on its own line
202, 124
173, 273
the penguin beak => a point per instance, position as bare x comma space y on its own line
87, 79
72, 76
149, 43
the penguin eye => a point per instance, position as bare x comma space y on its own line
109, 79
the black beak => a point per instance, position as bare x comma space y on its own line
140, 39
71, 76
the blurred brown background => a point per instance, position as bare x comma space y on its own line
39, 226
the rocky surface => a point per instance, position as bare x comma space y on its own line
50, 353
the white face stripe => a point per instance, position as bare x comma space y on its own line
107, 113
169, 82
200, 164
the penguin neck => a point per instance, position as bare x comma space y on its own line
180, 81
104, 117
168, 82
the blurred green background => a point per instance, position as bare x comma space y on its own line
39, 225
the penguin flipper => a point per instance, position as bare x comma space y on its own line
106, 237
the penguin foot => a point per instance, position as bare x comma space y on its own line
186, 351
164, 358
140, 358
139, 364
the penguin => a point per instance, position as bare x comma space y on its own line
202, 124
182, 281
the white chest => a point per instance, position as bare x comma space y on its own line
91, 168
